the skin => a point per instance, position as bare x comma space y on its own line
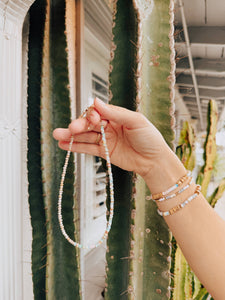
136, 145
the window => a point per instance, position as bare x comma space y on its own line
100, 90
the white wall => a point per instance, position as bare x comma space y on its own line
15, 272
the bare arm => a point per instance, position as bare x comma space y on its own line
136, 145
198, 229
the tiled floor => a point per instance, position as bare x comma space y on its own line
95, 274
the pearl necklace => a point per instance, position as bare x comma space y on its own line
109, 222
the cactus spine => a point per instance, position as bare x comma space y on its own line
60, 273
139, 242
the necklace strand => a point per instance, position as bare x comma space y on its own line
111, 210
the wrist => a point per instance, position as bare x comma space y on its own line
164, 171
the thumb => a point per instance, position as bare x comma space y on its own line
120, 115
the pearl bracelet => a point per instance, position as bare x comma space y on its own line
181, 205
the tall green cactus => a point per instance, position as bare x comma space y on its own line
139, 241
156, 104
35, 188
123, 90
57, 267
186, 285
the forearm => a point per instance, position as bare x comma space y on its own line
199, 231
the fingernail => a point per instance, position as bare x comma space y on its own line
100, 101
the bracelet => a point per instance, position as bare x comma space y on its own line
172, 188
175, 194
181, 205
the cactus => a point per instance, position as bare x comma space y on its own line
35, 187
138, 256
186, 149
209, 147
157, 104
139, 241
123, 90
185, 281
54, 261
217, 194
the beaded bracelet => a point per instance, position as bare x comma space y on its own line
109, 222
172, 188
181, 205
175, 194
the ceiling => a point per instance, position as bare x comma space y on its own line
200, 46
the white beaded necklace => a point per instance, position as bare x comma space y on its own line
109, 222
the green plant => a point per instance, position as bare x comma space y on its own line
186, 146
209, 148
186, 284
54, 262
138, 256
123, 89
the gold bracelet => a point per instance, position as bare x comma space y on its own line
181, 205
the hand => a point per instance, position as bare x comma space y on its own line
134, 143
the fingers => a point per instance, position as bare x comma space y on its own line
103, 113
86, 148
79, 125
64, 135
91, 122
120, 115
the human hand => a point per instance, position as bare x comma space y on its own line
134, 143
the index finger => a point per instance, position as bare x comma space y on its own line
62, 134
79, 125
90, 122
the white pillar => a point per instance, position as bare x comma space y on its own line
15, 269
